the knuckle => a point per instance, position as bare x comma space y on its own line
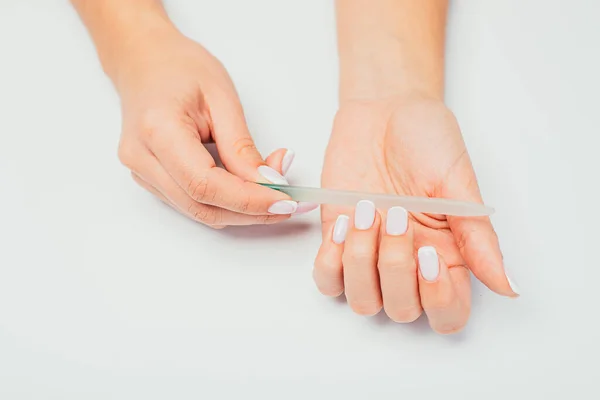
397, 264
242, 204
269, 219
198, 188
405, 315
148, 123
244, 145
127, 154
206, 215
201, 216
328, 268
464, 238
365, 307
441, 303
358, 257
327, 274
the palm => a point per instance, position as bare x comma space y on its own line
410, 149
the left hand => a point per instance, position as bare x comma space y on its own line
407, 146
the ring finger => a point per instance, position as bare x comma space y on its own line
398, 269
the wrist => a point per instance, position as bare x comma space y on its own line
380, 67
121, 29
390, 48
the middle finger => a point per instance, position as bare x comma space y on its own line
361, 279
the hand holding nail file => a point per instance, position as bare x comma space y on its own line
384, 201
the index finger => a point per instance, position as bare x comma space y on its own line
189, 163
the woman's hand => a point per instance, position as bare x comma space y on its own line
175, 97
407, 146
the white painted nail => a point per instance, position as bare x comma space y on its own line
340, 229
364, 215
304, 207
283, 207
271, 175
397, 221
513, 285
429, 264
287, 161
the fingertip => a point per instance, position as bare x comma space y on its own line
512, 284
304, 207
396, 223
365, 215
274, 160
366, 308
287, 160
328, 269
340, 229
268, 174
480, 248
429, 263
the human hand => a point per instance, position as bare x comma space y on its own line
176, 96
407, 146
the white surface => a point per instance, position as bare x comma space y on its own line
105, 293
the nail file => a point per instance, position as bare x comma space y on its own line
384, 201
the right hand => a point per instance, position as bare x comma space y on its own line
176, 96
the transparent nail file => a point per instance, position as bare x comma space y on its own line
384, 201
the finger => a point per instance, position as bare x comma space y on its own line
479, 247
327, 272
478, 242
235, 144
140, 181
361, 279
190, 165
154, 174
398, 269
446, 310
281, 160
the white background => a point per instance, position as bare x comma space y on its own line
105, 293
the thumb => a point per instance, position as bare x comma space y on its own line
236, 147
476, 238
281, 160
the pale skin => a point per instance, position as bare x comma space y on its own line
392, 134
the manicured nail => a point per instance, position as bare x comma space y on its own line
271, 175
283, 207
340, 229
364, 215
287, 161
397, 221
304, 207
513, 285
429, 264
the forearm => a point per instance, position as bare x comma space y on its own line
391, 47
115, 24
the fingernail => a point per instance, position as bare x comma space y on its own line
364, 215
283, 207
287, 161
340, 229
513, 285
429, 264
271, 175
397, 221
304, 207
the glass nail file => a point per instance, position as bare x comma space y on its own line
384, 201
